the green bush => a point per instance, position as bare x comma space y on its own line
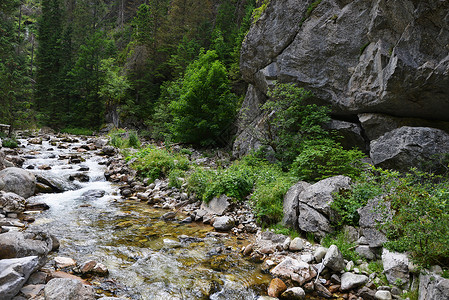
155, 163
327, 159
77, 131
133, 140
420, 224
291, 122
119, 138
174, 178
199, 181
10, 143
268, 197
340, 239
371, 183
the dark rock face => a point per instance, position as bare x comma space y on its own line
375, 57
409, 146
359, 56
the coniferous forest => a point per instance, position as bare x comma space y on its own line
141, 64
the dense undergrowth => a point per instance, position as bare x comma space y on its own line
297, 146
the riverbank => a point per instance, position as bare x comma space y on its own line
129, 232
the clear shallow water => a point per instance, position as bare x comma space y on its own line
141, 251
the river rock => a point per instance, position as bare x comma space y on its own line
290, 205
295, 270
63, 262
108, 151
18, 181
218, 205
90, 194
395, 267
297, 244
433, 287
404, 147
351, 281
224, 223
276, 287
31, 291
57, 183
68, 289
383, 295
319, 253
294, 293
11, 202
365, 252
334, 259
14, 273
22, 244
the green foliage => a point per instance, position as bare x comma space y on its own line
326, 159
154, 163
291, 123
175, 178
269, 194
419, 202
206, 108
279, 229
77, 131
200, 180
119, 138
340, 239
309, 11
376, 266
133, 140
257, 12
420, 224
10, 142
372, 183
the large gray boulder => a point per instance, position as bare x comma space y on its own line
68, 289
376, 125
22, 244
364, 56
319, 196
334, 259
310, 220
19, 181
395, 267
290, 205
433, 287
14, 273
218, 205
351, 281
374, 213
11, 203
409, 146
224, 223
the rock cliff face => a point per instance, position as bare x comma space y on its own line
372, 60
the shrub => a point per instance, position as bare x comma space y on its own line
199, 181
291, 123
372, 183
77, 131
420, 224
327, 159
156, 163
174, 178
133, 140
268, 197
10, 143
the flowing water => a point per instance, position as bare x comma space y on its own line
143, 253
